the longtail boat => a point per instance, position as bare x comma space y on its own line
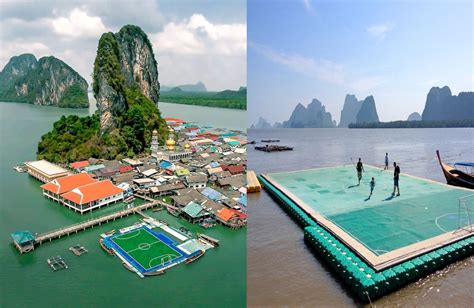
455, 176
195, 257
109, 251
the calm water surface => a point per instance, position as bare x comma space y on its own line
282, 270
94, 279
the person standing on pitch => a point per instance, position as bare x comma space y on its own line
396, 177
372, 186
386, 162
360, 169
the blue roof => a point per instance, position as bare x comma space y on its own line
464, 164
212, 194
214, 164
165, 164
243, 200
22, 237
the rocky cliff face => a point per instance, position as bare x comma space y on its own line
48, 81
314, 116
124, 61
442, 105
368, 111
261, 124
349, 110
415, 116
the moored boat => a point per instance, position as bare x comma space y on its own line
196, 256
155, 273
128, 267
455, 176
109, 251
206, 238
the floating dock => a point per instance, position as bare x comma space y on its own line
372, 249
253, 185
78, 250
57, 263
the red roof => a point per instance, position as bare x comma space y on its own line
92, 192
68, 183
176, 120
124, 169
227, 214
235, 169
79, 164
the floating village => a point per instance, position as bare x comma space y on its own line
198, 175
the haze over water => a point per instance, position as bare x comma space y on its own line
283, 271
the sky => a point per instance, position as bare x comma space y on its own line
204, 40
393, 50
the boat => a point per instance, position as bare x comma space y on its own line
109, 250
208, 223
196, 256
109, 233
155, 273
270, 140
207, 239
128, 267
20, 168
455, 176
185, 231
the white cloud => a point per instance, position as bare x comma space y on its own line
197, 35
379, 31
307, 5
322, 69
78, 24
20, 46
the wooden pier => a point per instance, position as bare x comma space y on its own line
65, 231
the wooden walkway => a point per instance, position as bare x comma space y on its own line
65, 231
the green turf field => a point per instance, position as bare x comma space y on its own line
145, 248
382, 222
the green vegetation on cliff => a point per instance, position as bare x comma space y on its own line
224, 99
130, 114
48, 81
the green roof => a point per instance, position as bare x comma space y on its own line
181, 172
194, 210
22, 237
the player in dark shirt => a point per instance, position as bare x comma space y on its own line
396, 177
360, 169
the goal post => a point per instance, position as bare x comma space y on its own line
166, 259
465, 210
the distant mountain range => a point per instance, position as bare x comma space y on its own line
355, 111
415, 116
47, 81
198, 87
316, 116
440, 105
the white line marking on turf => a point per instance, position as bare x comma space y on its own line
127, 238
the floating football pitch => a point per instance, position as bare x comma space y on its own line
147, 250
382, 229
